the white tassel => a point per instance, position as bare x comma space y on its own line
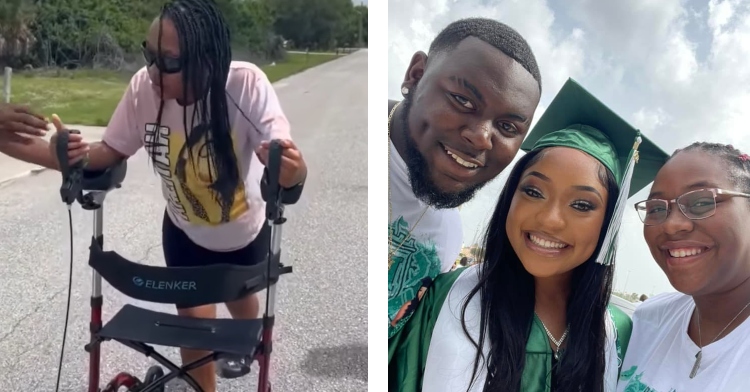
608, 246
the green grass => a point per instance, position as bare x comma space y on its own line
89, 97
295, 63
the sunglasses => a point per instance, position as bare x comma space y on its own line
695, 205
165, 64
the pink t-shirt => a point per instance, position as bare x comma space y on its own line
190, 203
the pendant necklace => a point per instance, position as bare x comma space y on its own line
699, 354
556, 342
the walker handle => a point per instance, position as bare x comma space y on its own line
72, 175
272, 191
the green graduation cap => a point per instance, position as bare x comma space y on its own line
577, 119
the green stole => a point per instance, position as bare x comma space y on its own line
408, 348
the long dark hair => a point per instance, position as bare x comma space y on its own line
206, 54
507, 304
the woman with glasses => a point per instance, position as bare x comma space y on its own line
206, 122
534, 315
695, 223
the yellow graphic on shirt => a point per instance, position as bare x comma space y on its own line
189, 195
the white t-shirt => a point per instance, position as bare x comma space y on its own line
661, 355
432, 247
191, 204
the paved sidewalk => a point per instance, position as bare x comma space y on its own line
12, 169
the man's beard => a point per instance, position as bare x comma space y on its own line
419, 172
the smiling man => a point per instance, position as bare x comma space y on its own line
467, 107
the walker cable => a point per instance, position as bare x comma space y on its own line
70, 190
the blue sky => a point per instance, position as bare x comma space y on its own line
676, 69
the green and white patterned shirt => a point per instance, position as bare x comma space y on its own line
432, 247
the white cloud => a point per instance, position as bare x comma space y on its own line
677, 64
721, 12
649, 120
680, 100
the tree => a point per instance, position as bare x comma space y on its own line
251, 24
314, 24
73, 33
361, 23
15, 37
352, 25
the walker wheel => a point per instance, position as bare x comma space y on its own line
154, 373
122, 380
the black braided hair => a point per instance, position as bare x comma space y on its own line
206, 55
497, 34
739, 169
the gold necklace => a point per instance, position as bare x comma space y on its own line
391, 253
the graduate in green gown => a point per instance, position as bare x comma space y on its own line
538, 304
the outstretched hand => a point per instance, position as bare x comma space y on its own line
77, 147
17, 122
293, 167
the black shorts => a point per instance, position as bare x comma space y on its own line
180, 251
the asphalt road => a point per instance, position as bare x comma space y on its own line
321, 333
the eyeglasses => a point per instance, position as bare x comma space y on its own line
695, 205
165, 64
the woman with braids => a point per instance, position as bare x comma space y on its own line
534, 315
695, 224
206, 122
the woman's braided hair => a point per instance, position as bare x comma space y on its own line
737, 162
206, 54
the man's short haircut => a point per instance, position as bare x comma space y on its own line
497, 34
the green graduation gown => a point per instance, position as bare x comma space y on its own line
444, 362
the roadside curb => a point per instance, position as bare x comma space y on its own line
31, 172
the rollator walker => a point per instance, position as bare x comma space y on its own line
140, 328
